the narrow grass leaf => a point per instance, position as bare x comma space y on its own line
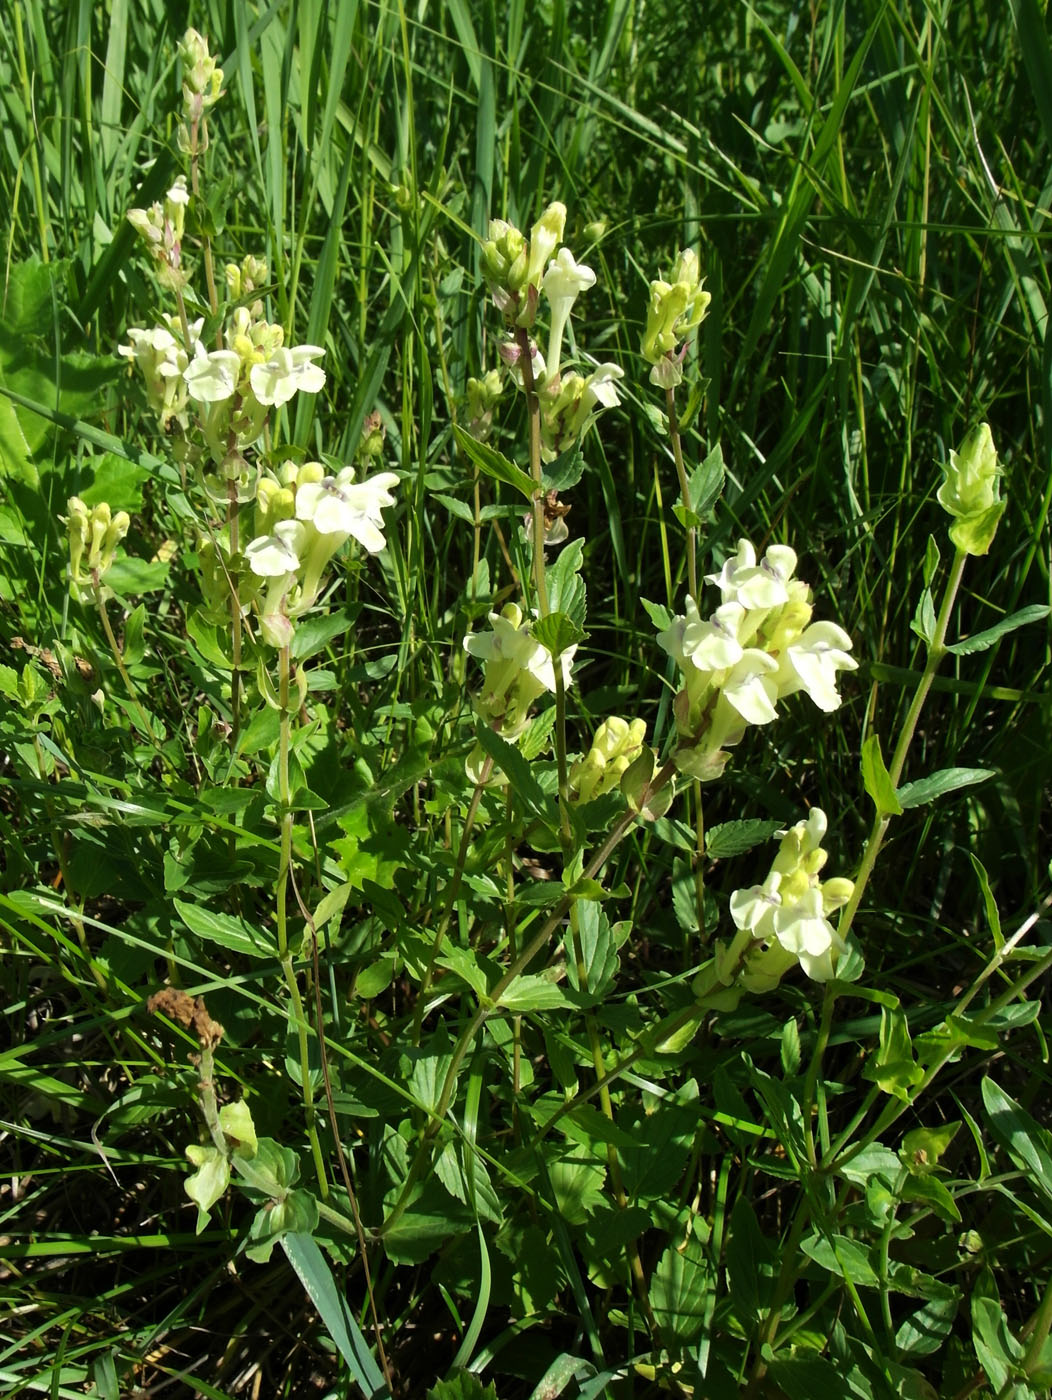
316, 1276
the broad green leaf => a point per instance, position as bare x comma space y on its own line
493, 463
752, 1260
681, 1290
877, 780
925, 790
565, 586
984, 640
210, 1180
658, 614
736, 837
565, 472
841, 1255
533, 992
235, 935
925, 1332
558, 633
1026, 1142
892, 1065
526, 787
705, 484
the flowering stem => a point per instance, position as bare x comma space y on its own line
684, 491
491, 1003
451, 897
936, 652
235, 617
118, 657
281, 918
533, 411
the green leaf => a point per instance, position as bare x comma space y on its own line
1028, 1144
682, 1291
234, 935
493, 463
314, 1273
527, 789
877, 780
751, 1263
892, 1065
465, 1386
983, 640
658, 614
705, 484
534, 738
841, 1255
923, 622
938, 784
925, 1332
558, 633
565, 471
735, 838
134, 647
533, 992
210, 1180
296, 1213
930, 1191
566, 590
803, 1377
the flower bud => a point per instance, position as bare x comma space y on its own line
970, 492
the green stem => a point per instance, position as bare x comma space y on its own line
451, 897
684, 492
538, 942
936, 652
281, 920
533, 412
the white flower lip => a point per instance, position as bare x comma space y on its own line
338, 505
212, 376
287, 373
271, 556
816, 657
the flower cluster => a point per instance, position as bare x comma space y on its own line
202, 83
303, 516
232, 389
161, 228
677, 308
616, 746
517, 271
787, 917
518, 669
758, 647
94, 534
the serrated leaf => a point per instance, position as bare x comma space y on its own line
565, 587
705, 485
658, 614
735, 838
493, 463
565, 471
681, 1290
983, 640
558, 633
877, 780
534, 738
526, 787
925, 790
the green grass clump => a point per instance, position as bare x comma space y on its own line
520, 1129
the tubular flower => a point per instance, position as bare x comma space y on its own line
786, 919
518, 669
757, 648
338, 505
